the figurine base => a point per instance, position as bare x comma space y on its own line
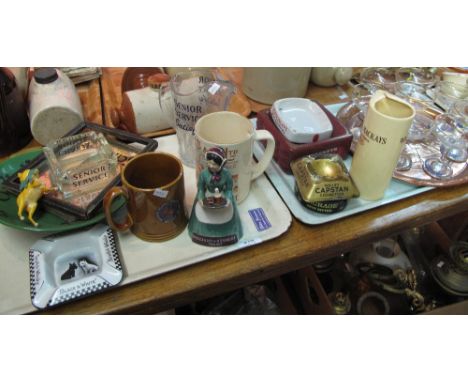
214, 241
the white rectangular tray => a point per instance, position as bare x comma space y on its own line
140, 259
284, 184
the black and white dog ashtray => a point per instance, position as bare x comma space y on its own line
68, 267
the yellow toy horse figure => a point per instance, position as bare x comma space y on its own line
32, 188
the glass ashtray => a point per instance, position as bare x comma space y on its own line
383, 77
81, 163
422, 76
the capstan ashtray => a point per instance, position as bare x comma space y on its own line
323, 183
68, 267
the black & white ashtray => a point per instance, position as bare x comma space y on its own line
68, 267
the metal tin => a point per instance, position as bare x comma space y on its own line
323, 178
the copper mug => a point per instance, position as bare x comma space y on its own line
153, 186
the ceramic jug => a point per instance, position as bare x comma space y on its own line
54, 105
14, 122
330, 76
193, 94
382, 138
140, 112
266, 85
134, 78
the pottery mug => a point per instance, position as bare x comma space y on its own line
235, 135
153, 186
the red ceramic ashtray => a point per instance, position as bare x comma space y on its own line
286, 151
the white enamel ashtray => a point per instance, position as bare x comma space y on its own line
301, 120
72, 266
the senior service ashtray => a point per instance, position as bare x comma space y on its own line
323, 183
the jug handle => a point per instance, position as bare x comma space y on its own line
260, 167
162, 82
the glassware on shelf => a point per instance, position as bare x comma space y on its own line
360, 96
362, 93
413, 92
453, 147
446, 93
419, 128
404, 161
382, 77
424, 77
459, 111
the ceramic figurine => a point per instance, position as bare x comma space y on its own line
70, 272
32, 188
87, 266
215, 220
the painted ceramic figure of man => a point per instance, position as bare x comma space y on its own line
215, 220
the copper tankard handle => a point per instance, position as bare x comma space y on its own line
113, 193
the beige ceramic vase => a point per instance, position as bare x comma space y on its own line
266, 85
383, 136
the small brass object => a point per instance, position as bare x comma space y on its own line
323, 178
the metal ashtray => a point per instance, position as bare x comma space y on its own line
323, 182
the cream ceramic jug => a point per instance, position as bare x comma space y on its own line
266, 85
382, 138
330, 76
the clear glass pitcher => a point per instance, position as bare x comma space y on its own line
188, 96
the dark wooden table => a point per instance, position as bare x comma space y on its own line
301, 246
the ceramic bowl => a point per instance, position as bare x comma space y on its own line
286, 151
301, 120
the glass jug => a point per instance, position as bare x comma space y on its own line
188, 96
